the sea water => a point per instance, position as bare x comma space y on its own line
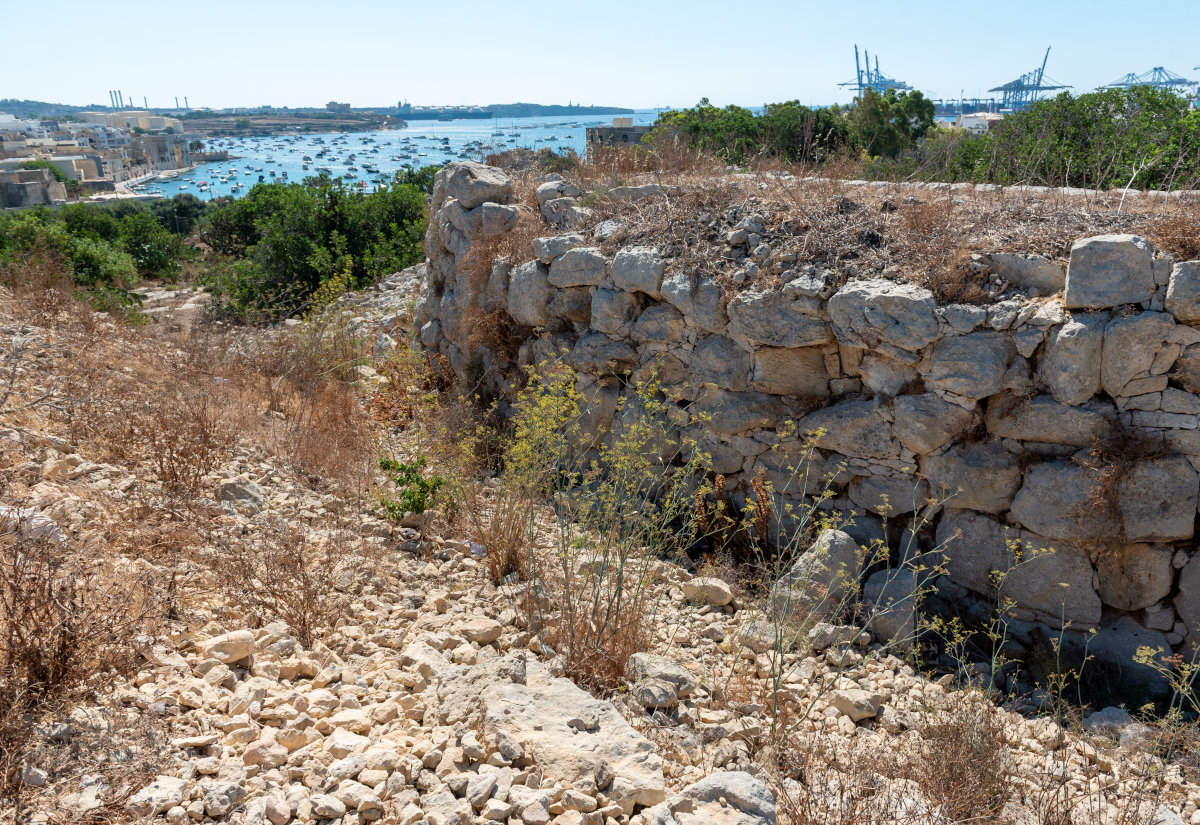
422, 143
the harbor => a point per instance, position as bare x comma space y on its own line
366, 160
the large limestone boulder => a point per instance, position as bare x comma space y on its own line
659, 324
981, 476
702, 304
822, 581
1070, 367
638, 269
1056, 501
579, 266
1183, 292
799, 371
1109, 270
613, 311
1044, 420
529, 293
1116, 645
890, 598
721, 361
730, 413
472, 184
775, 318
598, 354
574, 737
926, 422
970, 366
878, 313
887, 495
858, 429
1053, 580
1135, 576
1132, 346
1153, 500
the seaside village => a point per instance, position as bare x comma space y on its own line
45, 161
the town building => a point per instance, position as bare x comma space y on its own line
30, 187
621, 133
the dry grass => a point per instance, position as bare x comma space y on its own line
920, 235
68, 615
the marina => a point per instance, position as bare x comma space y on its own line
368, 159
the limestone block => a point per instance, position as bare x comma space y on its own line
1043, 419
598, 354
529, 293
1183, 292
1030, 272
775, 319
1116, 646
730, 413
1157, 500
571, 304
721, 361
972, 366
1187, 601
580, 266
1070, 366
822, 581
925, 422
613, 311
1109, 270
702, 304
473, 184
888, 495
871, 313
982, 476
1053, 579
891, 597
1054, 501
800, 371
638, 269
853, 428
1130, 345
1187, 368
658, 324
550, 190
885, 376
548, 248
1134, 576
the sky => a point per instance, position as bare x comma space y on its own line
643, 54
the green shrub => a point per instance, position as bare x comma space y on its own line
417, 491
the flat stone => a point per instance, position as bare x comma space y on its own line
472, 183
1045, 420
481, 630
1030, 272
1130, 344
652, 666
1109, 270
856, 703
229, 647
790, 371
889, 496
548, 248
163, 793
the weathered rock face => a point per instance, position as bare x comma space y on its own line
1109, 270
997, 405
575, 737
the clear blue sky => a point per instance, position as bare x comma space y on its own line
621, 52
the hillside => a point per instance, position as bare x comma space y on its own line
219, 605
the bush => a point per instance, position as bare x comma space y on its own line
418, 491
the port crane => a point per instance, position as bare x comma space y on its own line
1020, 93
1157, 77
868, 78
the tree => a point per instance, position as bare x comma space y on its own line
196, 146
885, 125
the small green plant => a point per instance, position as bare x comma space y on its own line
418, 491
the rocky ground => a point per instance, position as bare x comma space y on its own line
421, 693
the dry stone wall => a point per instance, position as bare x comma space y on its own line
998, 408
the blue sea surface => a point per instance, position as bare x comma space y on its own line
278, 158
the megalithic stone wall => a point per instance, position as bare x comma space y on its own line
998, 404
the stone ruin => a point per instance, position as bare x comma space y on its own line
995, 408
